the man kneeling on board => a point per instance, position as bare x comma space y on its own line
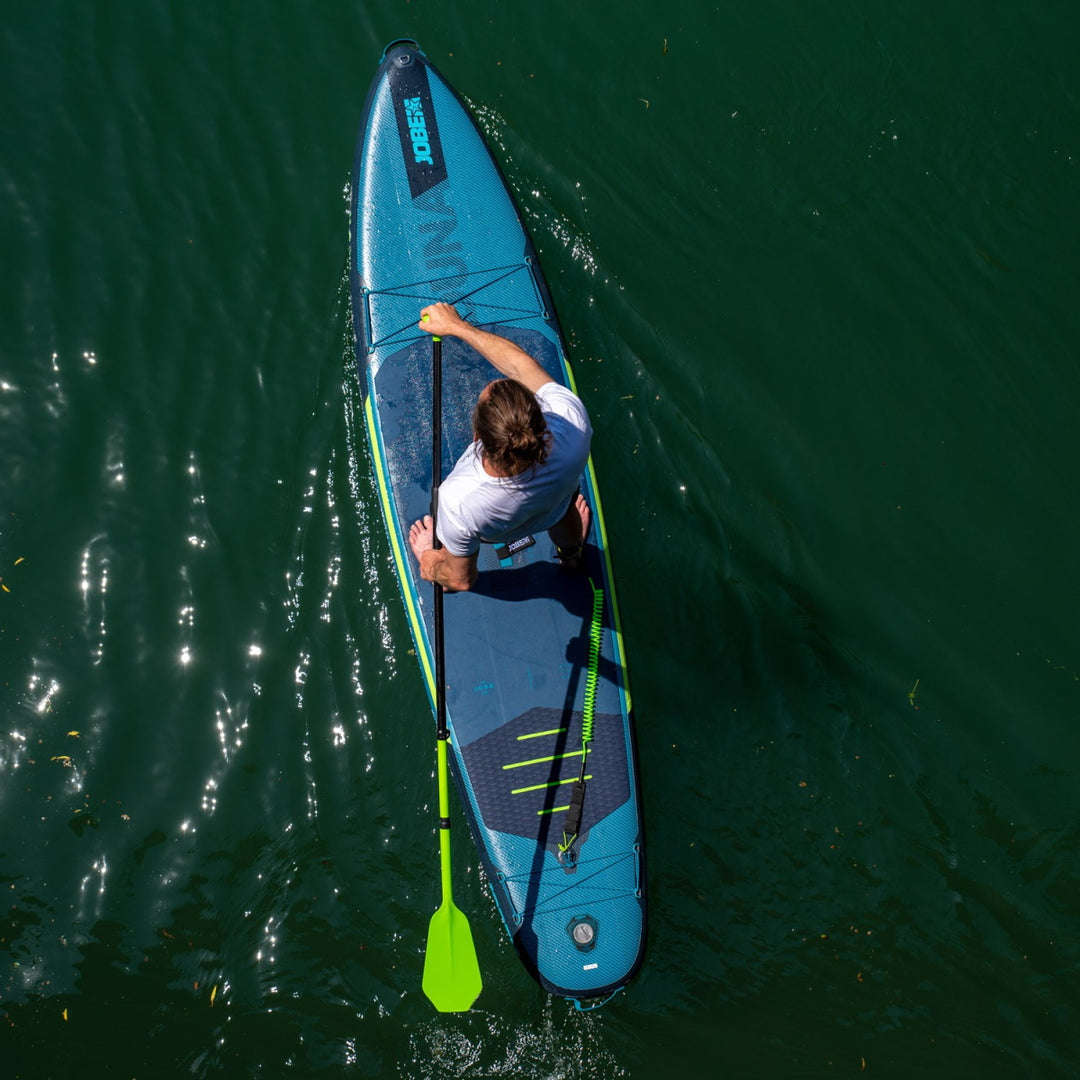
521, 474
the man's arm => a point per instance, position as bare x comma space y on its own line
442, 320
456, 572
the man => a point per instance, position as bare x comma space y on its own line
521, 474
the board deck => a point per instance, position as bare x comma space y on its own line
433, 219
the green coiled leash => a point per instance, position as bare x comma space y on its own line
572, 825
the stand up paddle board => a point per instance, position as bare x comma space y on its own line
538, 707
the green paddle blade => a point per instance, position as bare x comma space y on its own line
451, 970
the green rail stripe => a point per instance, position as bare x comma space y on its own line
390, 515
598, 517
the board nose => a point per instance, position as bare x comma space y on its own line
404, 48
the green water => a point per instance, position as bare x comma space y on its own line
819, 266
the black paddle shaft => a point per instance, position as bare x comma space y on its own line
436, 477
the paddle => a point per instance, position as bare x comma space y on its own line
451, 970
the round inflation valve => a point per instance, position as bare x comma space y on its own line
582, 930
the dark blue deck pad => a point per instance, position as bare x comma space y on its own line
538, 756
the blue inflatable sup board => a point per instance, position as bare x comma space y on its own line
538, 708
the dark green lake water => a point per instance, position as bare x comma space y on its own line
820, 269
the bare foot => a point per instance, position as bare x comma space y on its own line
570, 532
422, 536
581, 505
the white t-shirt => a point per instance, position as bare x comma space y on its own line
475, 507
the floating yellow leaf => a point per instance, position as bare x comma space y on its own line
19, 560
62, 758
73, 734
213, 994
65, 1014
2, 585
911, 694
